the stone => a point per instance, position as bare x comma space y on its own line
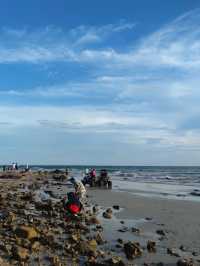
116, 207
36, 246
161, 232
132, 250
185, 262
26, 232
115, 261
148, 218
183, 248
107, 215
173, 252
119, 240
94, 220
109, 210
135, 230
99, 239
92, 244
20, 253
151, 246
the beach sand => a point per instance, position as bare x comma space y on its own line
179, 219
170, 223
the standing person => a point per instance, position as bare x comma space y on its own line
13, 166
79, 189
16, 166
27, 168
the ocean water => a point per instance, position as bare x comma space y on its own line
155, 181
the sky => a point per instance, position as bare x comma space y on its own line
100, 82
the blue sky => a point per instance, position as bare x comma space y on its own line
100, 82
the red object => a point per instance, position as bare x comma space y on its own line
73, 208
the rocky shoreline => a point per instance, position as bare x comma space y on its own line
33, 230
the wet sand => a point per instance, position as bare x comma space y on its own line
179, 219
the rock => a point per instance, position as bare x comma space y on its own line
185, 262
122, 222
4, 263
55, 261
148, 218
119, 240
75, 237
99, 239
94, 220
183, 248
26, 232
135, 230
95, 209
116, 207
116, 260
194, 253
151, 246
132, 250
173, 252
92, 244
107, 215
20, 253
36, 246
109, 210
161, 232
123, 229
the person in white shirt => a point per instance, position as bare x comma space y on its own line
79, 189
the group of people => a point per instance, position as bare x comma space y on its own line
14, 167
90, 176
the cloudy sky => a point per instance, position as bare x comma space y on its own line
100, 82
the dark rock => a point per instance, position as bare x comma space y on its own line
135, 230
116, 260
149, 218
132, 250
173, 252
161, 232
185, 262
116, 207
151, 246
107, 215
183, 248
119, 240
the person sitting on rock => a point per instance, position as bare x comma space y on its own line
79, 189
72, 204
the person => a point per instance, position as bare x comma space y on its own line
16, 166
27, 168
72, 205
86, 171
13, 166
79, 189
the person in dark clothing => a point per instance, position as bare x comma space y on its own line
72, 205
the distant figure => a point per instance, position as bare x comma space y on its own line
4, 168
79, 189
27, 168
16, 166
67, 171
13, 166
86, 171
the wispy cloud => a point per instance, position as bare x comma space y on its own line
147, 92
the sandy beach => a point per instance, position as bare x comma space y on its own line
32, 203
179, 219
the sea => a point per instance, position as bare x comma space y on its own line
172, 182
